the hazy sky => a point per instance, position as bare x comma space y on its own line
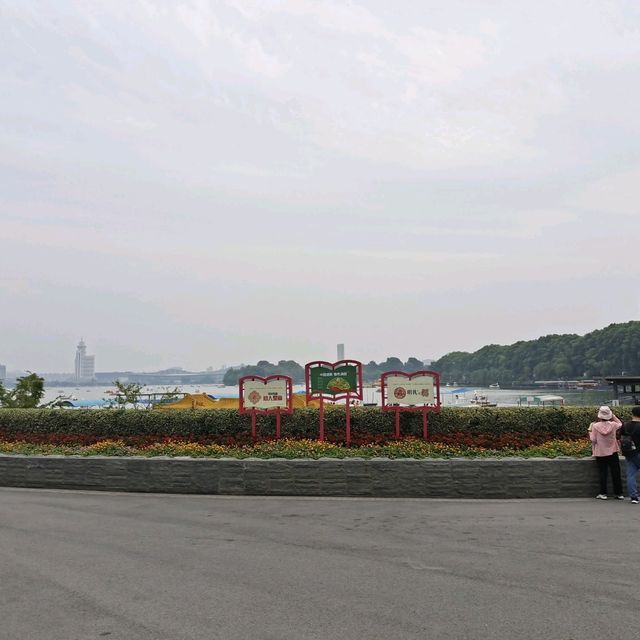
195, 183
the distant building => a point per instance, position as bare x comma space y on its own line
341, 352
3, 372
172, 376
626, 389
85, 365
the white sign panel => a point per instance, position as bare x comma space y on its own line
260, 395
414, 391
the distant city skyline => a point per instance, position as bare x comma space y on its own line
84, 368
89, 363
202, 181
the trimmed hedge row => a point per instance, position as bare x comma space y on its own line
367, 423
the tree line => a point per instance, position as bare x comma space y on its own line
613, 350
609, 351
370, 372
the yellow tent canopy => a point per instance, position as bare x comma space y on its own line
203, 401
191, 401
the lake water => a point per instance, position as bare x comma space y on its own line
503, 397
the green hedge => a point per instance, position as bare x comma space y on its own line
367, 422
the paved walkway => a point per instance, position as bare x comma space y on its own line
153, 567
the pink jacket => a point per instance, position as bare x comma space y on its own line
603, 437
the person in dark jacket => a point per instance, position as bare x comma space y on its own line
632, 429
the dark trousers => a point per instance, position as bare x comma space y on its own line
610, 462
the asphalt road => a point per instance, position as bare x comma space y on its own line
80, 565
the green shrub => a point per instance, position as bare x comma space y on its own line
227, 425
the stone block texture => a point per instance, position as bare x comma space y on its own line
378, 477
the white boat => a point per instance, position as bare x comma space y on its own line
541, 401
494, 386
482, 401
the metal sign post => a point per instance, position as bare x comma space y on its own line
270, 395
418, 391
334, 381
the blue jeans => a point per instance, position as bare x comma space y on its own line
633, 466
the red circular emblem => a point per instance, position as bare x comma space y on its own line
399, 392
254, 397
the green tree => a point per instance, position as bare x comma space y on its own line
231, 377
371, 372
392, 364
128, 393
25, 395
413, 364
169, 395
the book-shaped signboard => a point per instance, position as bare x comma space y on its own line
417, 391
334, 381
273, 394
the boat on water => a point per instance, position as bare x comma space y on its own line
496, 385
541, 401
483, 403
480, 400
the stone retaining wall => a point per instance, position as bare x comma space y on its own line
378, 477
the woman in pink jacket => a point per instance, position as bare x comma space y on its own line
605, 448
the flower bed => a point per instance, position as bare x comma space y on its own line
293, 449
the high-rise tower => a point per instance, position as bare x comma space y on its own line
85, 365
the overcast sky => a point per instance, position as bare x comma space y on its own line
200, 183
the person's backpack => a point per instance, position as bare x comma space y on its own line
627, 445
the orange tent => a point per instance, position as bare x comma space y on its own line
204, 401
190, 401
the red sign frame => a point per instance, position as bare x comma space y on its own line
278, 412
348, 396
424, 408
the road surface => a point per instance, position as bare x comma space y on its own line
82, 565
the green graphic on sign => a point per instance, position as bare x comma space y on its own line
343, 379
